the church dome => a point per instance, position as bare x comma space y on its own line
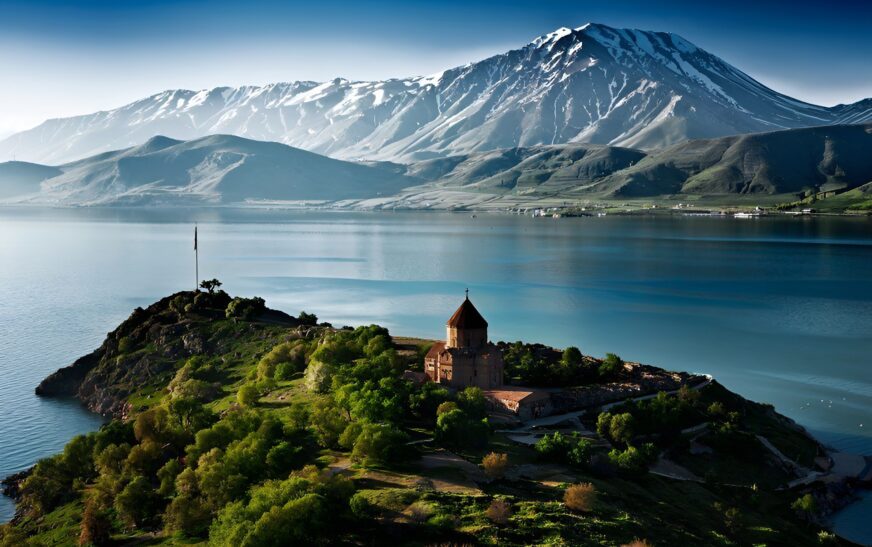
467, 317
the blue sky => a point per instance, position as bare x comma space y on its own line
65, 58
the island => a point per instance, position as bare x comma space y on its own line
230, 423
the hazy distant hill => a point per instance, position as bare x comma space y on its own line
216, 169
18, 177
777, 163
781, 162
232, 170
593, 84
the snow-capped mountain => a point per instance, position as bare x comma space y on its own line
593, 84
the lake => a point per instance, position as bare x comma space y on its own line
777, 309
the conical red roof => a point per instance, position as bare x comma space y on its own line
467, 317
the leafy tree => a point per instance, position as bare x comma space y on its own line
308, 319
571, 356
379, 444
188, 515
426, 400
459, 430
210, 285
611, 366
472, 401
137, 503
327, 422
319, 376
96, 527
248, 395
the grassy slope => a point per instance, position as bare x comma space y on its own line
664, 511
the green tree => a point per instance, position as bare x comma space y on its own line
248, 395
210, 285
611, 366
136, 504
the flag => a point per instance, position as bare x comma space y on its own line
195, 238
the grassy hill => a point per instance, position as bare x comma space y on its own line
239, 425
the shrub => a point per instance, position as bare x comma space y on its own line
446, 407
495, 465
499, 512
805, 506
580, 497
362, 507
421, 511
318, 376
637, 543
125, 345
633, 460
245, 308
716, 409
248, 395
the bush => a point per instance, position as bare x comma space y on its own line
637, 543
633, 460
495, 465
499, 512
580, 497
420, 511
125, 345
245, 308
248, 395
362, 507
805, 506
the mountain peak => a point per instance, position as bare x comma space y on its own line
592, 84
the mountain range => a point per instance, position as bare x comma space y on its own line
590, 85
778, 166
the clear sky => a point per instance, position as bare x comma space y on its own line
61, 58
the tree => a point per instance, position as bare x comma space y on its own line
210, 285
459, 430
96, 527
622, 428
580, 497
188, 515
327, 422
137, 502
379, 444
571, 356
495, 465
307, 319
248, 395
472, 401
611, 365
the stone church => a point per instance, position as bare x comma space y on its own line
466, 358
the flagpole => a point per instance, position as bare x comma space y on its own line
196, 262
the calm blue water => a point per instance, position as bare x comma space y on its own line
779, 310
